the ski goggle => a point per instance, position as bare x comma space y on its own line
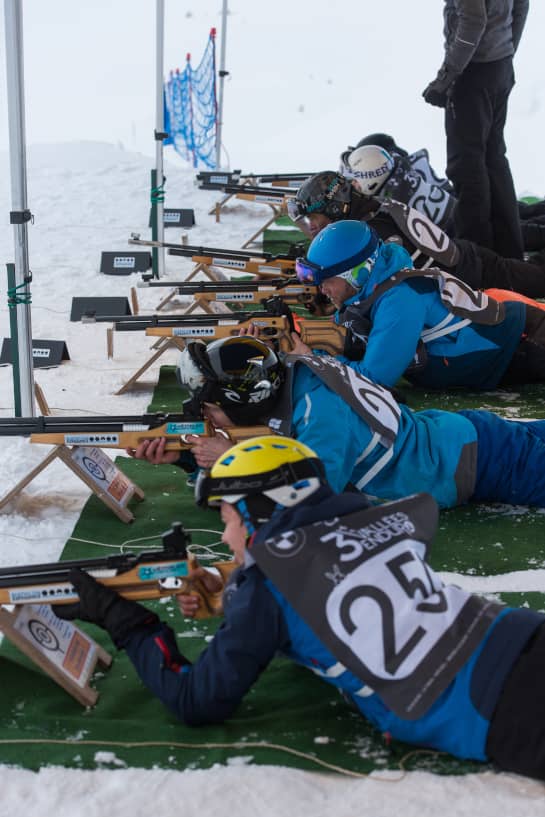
300, 209
296, 209
308, 272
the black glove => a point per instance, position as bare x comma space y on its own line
103, 606
438, 91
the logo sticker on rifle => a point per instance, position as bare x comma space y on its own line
193, 427
192, 331
92, 439
229, 262
149, 573
234, 296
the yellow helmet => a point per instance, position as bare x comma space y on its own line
260, 475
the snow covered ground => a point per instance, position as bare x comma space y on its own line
86, 198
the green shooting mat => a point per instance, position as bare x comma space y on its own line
290, 717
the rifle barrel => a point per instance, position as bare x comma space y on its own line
24, 426
125, 324
219, 286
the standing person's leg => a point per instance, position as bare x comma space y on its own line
504, 208
482, 268
532, 212
468, 118
510, 459
533, 235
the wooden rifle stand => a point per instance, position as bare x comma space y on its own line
161, 346
58, 647
248, 181
97, 471
210, 273
277, 211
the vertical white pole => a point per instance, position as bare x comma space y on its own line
159, 129
20, 214
222, 74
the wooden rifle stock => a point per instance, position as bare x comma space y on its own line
283, 267
176, 439
266, 265
175, 433
122, 432
293, 295
318, 334
273, 328
144, 577
324, 335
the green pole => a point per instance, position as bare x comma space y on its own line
154, 230
12, 304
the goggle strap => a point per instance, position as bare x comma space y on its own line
285, 474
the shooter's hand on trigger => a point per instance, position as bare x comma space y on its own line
154, 452
206, 450
299, 348
253, 331
190, 604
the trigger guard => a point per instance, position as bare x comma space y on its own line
171, 583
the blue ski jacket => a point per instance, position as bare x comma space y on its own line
434, 451
473, 355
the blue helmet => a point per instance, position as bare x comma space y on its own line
347, 248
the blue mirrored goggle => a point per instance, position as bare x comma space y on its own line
307, 272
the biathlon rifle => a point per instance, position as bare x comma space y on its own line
250, 292
272, 323
271, 328
276, 196
262, 264
121, 431
324, 335
234, 177
275, 323
142, 576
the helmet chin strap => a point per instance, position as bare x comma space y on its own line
255, 511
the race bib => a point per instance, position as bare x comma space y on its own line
373, 403
362, 584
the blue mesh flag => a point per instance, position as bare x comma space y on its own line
191, 110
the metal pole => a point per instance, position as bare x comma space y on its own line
23, 374
222, 74
158, 195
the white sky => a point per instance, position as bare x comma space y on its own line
307, 78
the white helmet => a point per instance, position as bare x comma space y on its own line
369, 166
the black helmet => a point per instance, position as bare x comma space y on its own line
383, 140
240, 374
327, 192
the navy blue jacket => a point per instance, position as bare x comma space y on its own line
259, 622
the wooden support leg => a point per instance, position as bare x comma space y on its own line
273, 218
29, 477
42, 402
171, 342
97, 471
110, 342
134, 301
59, 648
